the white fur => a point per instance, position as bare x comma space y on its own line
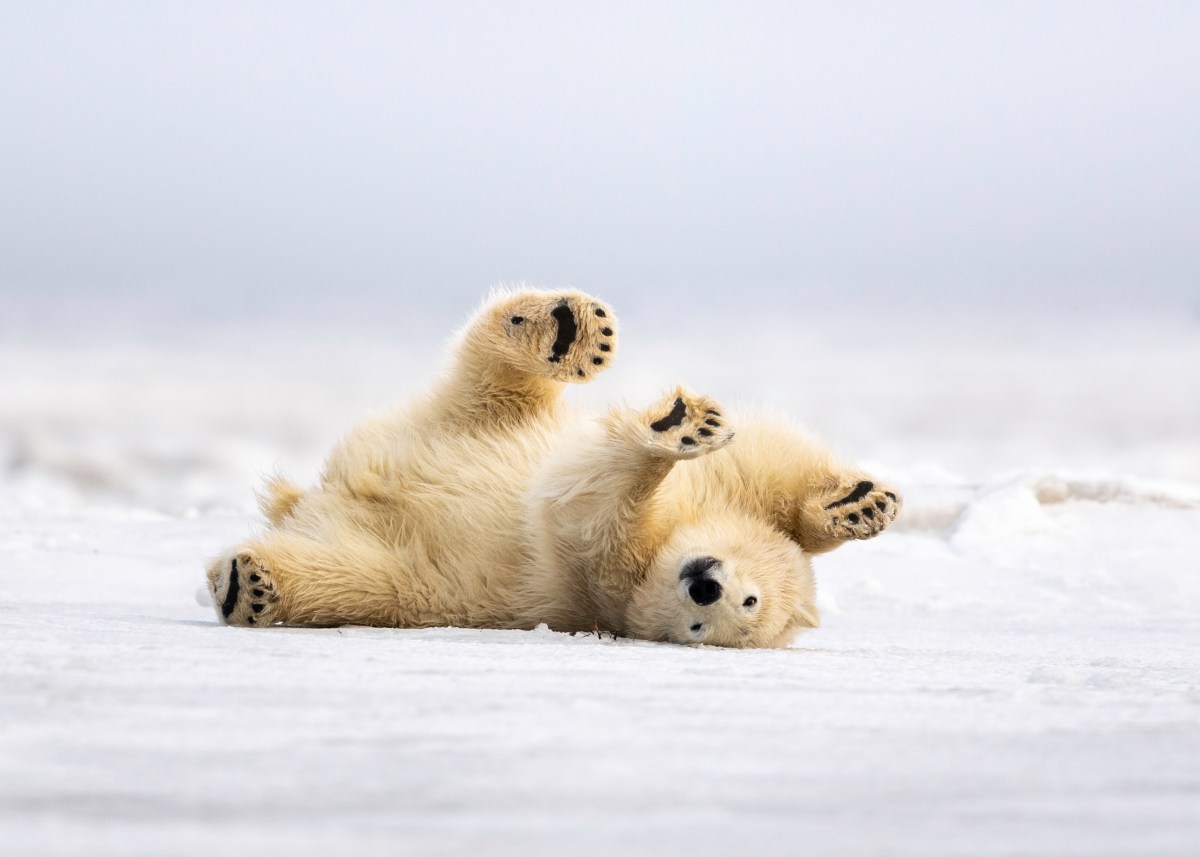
486, 504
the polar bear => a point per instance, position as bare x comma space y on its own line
486, 504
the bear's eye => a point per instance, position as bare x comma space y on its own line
750, 602
698, 627
518, 319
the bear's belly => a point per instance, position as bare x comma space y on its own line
452, 511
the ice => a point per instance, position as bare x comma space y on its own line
1011, 670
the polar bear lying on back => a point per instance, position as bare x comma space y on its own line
487, 505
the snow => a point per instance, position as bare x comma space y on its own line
1012, 670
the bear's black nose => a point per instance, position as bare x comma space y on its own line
704, 591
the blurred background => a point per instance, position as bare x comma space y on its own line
954, 239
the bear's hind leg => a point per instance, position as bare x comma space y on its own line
293, 579
515, 356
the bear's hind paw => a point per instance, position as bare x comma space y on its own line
565, 336
243, 591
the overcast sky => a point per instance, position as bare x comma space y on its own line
676, 149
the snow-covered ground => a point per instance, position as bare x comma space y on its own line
1014, 669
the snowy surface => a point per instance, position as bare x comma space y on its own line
1015, 669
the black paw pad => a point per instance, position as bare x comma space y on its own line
862, 489
567, 331
672, 419
231, 594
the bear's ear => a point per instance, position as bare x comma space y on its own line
806, 616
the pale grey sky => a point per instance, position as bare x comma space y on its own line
678, 150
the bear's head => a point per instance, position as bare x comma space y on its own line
726, 580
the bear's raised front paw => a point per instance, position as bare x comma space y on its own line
566, 336
685, 425
861, 510
243, 590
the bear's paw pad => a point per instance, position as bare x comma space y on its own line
687, 426
566, 336
861, 511
244, 592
